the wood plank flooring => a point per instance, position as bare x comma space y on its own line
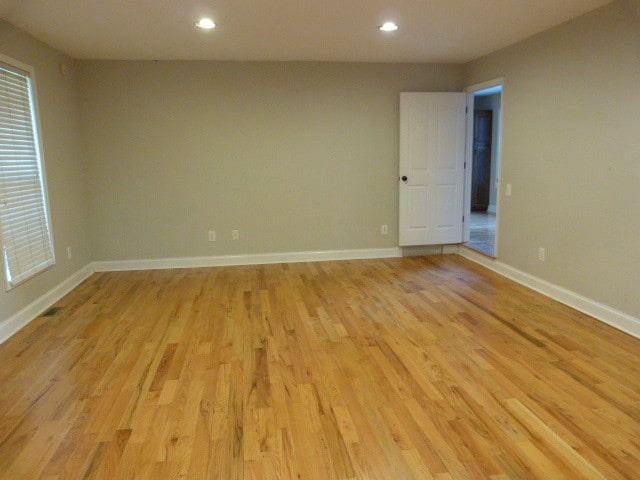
415, 368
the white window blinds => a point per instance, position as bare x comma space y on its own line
24, 224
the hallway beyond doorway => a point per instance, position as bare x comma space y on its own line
483, 233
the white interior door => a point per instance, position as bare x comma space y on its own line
432, 158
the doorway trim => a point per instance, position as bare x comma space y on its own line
470, 90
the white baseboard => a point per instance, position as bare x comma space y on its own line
20, 319
611, 316
604, 313
251, 259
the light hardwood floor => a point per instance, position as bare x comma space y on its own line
413, 368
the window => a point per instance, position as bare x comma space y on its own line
27, 247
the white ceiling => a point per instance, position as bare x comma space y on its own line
452, 31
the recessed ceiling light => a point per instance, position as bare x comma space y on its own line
388, 27
205, 24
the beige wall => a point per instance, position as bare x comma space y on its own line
303, 156
571, 150
59, 116
297, 156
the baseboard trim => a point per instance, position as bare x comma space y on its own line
15, 322
604, 313
251, 259
615, 318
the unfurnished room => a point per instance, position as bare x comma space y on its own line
320, 240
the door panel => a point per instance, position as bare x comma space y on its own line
418, 196
447, 138
445, 205
432, 152
419, 133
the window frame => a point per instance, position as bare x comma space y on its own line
23, 68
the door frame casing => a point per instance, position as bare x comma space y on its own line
470, 90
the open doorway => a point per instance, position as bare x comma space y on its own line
485, 168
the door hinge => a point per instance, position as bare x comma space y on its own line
465, 164
466, 109
462, 218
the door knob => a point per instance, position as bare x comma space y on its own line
404, 178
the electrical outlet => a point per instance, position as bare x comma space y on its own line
384, 230
541, 254
507, 190
235, 234
69, 254
212, 235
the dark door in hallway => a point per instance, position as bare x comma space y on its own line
481, 169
